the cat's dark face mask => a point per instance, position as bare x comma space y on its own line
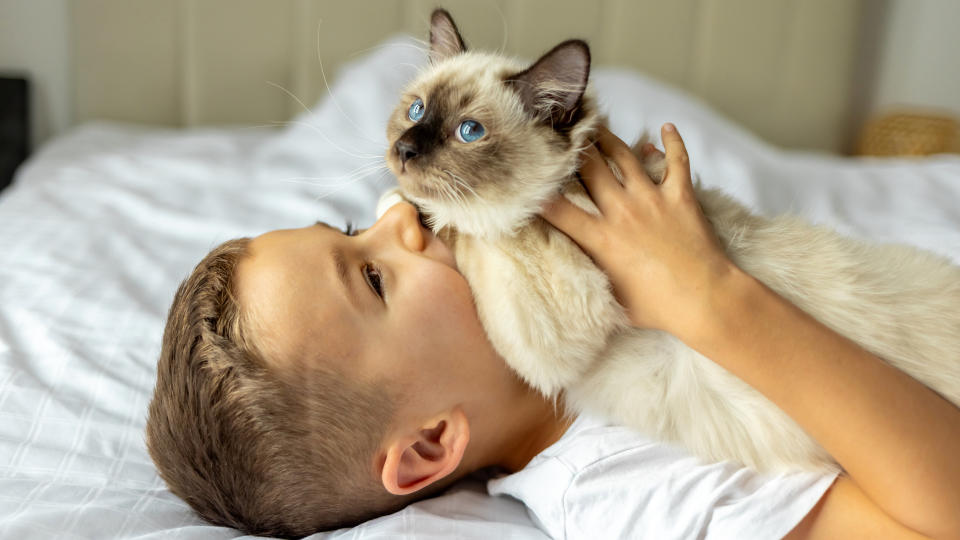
420, 140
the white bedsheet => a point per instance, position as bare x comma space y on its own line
102, 224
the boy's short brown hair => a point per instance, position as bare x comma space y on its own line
250, 446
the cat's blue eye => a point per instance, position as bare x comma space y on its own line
415, 112
469, 131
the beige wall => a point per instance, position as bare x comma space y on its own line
919, 56
34, 41
910, 51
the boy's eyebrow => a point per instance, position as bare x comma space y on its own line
343, 273
342, 269
340, 263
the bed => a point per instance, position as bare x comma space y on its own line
101, 225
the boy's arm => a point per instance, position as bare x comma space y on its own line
846, 512
897, 440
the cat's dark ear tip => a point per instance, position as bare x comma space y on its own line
576, 44
439, 15
445, 38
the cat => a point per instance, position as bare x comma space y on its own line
479, 142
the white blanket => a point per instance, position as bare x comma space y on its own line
102, 224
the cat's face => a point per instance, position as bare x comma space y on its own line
480, 141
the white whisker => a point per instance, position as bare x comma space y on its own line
329, 140
385, 45
503, 23
461, 183
452, 193
384, 173
461, 199
334, 189
330, 94
425, 45
291, 94
336, 179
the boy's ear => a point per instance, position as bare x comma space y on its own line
419, 459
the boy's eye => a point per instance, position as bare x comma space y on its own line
372, 275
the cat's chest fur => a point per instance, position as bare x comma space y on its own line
539, 296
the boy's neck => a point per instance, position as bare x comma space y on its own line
542, 423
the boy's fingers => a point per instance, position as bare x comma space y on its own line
678, 164
569, 218
597, 177
620, 153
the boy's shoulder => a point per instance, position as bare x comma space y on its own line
610, 479
591, 443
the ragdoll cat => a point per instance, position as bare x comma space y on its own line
479, 142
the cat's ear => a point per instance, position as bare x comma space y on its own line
445, 40
552, 87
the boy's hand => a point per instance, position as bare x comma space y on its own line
653, 241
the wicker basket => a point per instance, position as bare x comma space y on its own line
909, 134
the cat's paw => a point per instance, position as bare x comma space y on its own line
655, 163
389, 198
395, 196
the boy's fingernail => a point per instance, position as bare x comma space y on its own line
669, 127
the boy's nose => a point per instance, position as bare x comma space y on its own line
403, 220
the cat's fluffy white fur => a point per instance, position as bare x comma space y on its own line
551, 314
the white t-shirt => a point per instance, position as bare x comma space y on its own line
604, 481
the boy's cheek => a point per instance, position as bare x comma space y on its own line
443, 311
437, 286
449, 297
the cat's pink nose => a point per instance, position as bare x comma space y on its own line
405, 150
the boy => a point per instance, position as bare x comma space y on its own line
311, 379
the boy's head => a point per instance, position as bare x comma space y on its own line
310, 379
